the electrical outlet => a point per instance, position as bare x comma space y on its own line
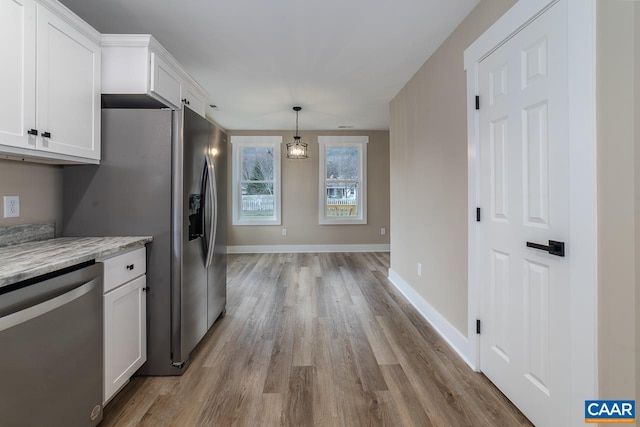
284, 231
419, 270
11, 206
383, 231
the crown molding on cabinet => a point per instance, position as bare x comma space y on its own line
66, 14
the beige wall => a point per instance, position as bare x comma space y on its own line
300, 198
39, 187
429, 171
616, 199
637, 185
428, 157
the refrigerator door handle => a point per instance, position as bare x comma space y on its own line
211, 175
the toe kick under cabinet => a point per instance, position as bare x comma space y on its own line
125, 314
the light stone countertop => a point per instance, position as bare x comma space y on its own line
28, 260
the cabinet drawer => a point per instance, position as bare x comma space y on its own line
122, 268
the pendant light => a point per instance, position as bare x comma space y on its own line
296, 149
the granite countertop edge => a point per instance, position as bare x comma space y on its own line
28, 260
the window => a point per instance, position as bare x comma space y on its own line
343, 179
256, 180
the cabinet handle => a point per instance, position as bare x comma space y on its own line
130, 267
33, 132
188, 102
46, 135
145, 289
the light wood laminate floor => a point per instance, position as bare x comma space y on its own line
316, 339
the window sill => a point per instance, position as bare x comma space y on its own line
269, 221
342, 221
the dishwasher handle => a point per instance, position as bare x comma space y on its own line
38, 298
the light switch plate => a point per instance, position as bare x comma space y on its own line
11, 206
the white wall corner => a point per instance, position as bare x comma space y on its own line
457, 341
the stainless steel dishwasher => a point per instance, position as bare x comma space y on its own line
51, 349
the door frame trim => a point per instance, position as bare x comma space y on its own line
582, 250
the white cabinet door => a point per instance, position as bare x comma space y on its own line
17, 73
125, 334
68, 83
165, 81
195, 100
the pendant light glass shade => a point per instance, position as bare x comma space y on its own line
296, 149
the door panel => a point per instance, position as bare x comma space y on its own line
499, 168
17, 74
536, 324
500, 302
536, 165
524, 345
218, 270
68, 79
194, 274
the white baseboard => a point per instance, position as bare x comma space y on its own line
447, 331
275, 249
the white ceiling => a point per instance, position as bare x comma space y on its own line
341, 60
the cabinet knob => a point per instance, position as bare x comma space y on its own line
46, 135
33, 132
145, 289
130, 267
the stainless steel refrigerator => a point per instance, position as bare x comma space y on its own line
162, 173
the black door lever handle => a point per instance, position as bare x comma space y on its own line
554, 247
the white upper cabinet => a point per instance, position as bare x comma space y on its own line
134, 65
68, 76
18, 72
50, 81
165, 82
195, 99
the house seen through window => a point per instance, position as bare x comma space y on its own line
342, 179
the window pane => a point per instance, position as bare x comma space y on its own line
257, 199
342, 163
257, 164
342, 199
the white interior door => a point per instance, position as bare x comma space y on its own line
524, 192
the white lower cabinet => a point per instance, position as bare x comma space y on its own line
125, 314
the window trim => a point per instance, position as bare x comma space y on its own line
237, 143
359, 142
